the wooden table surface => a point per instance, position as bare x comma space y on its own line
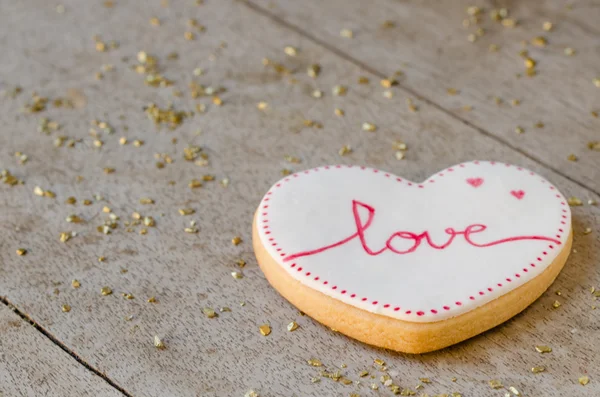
82, 81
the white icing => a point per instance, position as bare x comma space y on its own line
314, 209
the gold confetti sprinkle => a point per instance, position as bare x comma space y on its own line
597, 82
539, 41
493, 48
194, 183
101, 258
339, 90
399, 155
158, 343
128, 296
152, 299
71, 200
584, 380
237, 275
547, 26
317, 94
149, 221
38, 191
146, 201
592, 202
388, 83
543, 349
262, 105
363, 80
75, 284
587, 230
556, 304
191, 230
21, 251
574, 201
388, 94
292, 159
265, 329
344, 150
290, 51
209, 312
189, 35
595, 115
106, 291
514, 391
379, 362
452, 91
369, 127
495, 384
594, 145
569, 51
66, 308
338, 112
529, 63
313, 70
251, 393
292, 326
471, 38
572, 157
509, 23
186, 211
347, 33
236, 240
411, 106
65, 236
314, 362
519, 130
537, 370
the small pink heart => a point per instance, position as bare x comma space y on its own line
518, 193
475, 182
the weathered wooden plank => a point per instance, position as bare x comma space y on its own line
429, 44
31, 365
227, 355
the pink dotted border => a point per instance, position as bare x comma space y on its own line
264, 207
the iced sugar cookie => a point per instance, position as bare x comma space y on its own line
410, 266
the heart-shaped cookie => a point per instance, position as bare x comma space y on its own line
409, 266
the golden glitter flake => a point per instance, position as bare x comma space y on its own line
236, 240
186, 211
38, 191
146, 201
584, 380
313, 70
519, 130
75, 284
574, 201
539, 41
347, 33
543, 349
66, 308
514, 391
251, 393
538, 369
452, 91
262, 105
339, 90
158, 343
128, 296
370, 127
509, 23
290, 51
547, 26
556, 304
379, 362
317, 94
65, 236
344, 150
209, 312
572, 157
314, 362
388, 83
597, 82
21, 251
191, 230
569, 51
292, 159
338, 112
363, 80
265, 329
237, 275
587, 230
495, 384
594, 145
292, 326
106, 291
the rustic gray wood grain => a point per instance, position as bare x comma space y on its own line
31, 365
430, 46
50, 53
